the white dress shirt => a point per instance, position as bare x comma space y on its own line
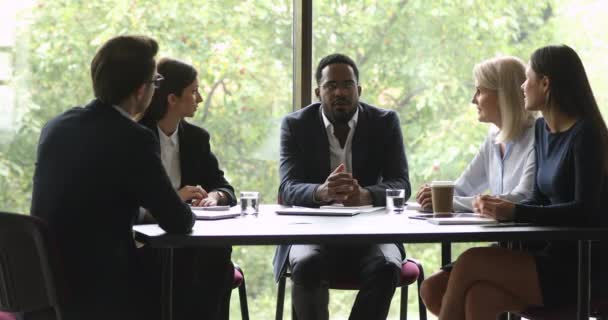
169, 154
510, 177
337, 154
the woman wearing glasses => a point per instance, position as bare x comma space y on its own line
204, 275
504, 164
571, 147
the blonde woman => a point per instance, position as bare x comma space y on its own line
571, 189
504, 165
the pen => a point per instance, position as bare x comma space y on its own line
507, 224
421, 216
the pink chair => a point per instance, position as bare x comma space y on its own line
411, 271
239, 282
6, 316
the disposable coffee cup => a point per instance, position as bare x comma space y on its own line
443, 197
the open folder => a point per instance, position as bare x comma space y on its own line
327, 211
214, 212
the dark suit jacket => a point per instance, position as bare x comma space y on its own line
378, 158
95, 168
198, 164
204, 275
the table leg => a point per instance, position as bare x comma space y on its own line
446, 253
167, 287
584, 275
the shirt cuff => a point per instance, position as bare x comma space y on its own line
222, 198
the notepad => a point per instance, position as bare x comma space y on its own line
425, 216
341, 206
214, 213
212, 208
327, 211
362, 209
318, 212
461, 220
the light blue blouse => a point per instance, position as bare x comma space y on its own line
510, 177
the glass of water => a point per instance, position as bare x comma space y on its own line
395, 200
250, 202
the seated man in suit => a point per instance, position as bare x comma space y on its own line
341, 151
95, 168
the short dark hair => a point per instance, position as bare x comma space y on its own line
334, 59
178, 75
121, 65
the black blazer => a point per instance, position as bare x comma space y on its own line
378, 157
198, 165
95, 168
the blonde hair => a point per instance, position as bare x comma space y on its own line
505, 75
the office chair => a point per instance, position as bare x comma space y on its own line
239, 282
29, 277
6, 316
411, 271
598, 310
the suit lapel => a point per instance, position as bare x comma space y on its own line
360, 142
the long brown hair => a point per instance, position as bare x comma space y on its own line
569, 88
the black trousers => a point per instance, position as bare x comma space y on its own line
202, 282
375, 267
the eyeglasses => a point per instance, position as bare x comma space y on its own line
157, 81
332, 85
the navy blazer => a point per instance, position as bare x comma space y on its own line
95, 168
378, 158
198, 165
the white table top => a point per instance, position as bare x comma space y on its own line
380, 227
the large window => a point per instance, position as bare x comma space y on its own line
7, 42
414, 57
242, 50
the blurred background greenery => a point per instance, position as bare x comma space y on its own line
414, 56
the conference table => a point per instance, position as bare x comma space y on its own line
269, 228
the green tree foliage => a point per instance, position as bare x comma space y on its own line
415, 57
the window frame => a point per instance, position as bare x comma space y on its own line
302, 53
